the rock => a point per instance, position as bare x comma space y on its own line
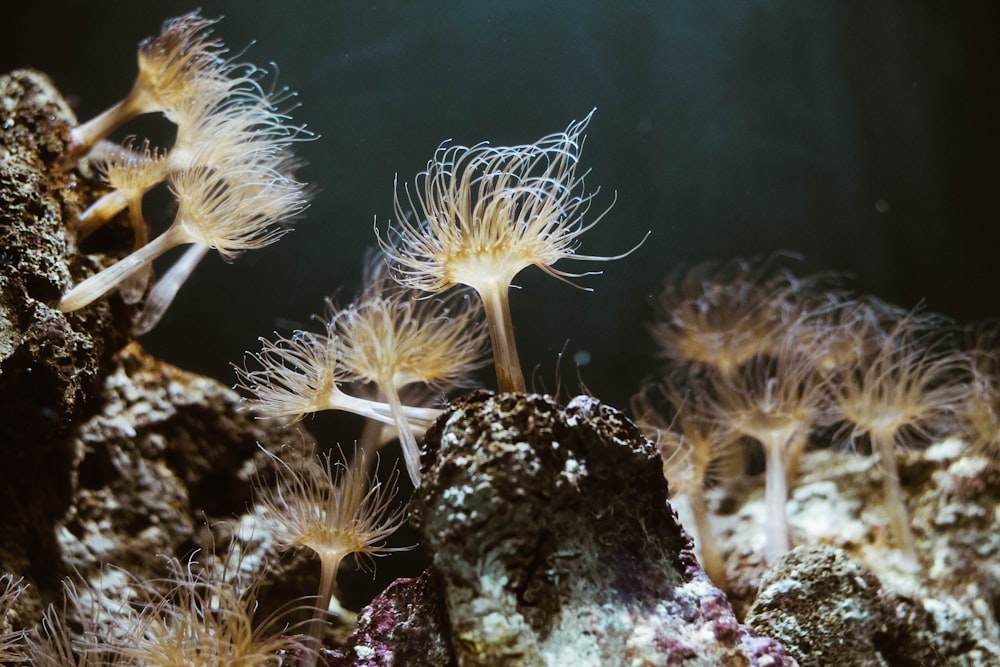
405, 625
168, 451
49, 362
825, 609
167, 455
551, 534
112, 458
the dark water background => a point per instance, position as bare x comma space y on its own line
861, 135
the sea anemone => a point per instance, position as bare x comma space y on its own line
181, 62
162, 294
392, 339
231, 208
230, 167
334, 510
979, 412
203, 620
697, 450
719, 316
53, 642
301, 375
482, 214
776, 400
11, 640
131, 172
908, 389
198, 616
228, 126
848, 329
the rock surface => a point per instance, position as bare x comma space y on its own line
168, 454
49, 362
550, 531
880, 612
405, 625
826, 609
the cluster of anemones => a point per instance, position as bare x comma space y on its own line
230, 167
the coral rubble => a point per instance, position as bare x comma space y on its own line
826, 609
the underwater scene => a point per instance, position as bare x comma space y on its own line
526, 333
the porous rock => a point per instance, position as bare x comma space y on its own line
111, 457
168, 451
168, 454
49, 362
943, 611
405, 625
826, 609
550, 532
